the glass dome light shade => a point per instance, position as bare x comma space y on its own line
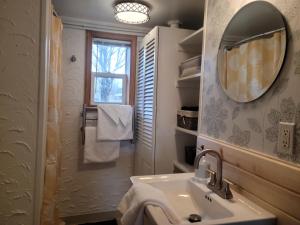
131, 12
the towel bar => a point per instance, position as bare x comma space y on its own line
84, 119
94, 108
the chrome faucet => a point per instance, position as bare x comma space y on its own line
216, 183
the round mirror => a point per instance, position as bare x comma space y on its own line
252, 51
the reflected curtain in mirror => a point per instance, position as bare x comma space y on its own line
246, 71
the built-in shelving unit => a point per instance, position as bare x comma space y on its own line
183, 167
189, 89
186, 131
190, 85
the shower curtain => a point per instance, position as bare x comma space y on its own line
49, 213
249, 69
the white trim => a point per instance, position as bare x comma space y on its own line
83, 24
202, 78
155, 89
44, 58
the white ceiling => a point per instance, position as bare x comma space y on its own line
189, 12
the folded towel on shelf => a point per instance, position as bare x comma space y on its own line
140, 195
99, 151
114, 122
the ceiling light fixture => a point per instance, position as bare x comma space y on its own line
131, 12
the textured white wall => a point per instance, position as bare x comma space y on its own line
19, 77
85, 189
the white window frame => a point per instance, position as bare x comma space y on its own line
110, 75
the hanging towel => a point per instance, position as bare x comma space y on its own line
125, 115
140, 195
114, 122
99, 151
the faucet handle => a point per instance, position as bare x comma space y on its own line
226, 189
213, 178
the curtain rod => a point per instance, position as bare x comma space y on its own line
254, 37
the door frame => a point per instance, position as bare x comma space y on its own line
44, 61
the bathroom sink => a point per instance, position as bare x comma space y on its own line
188, 196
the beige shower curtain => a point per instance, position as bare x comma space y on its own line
248, 70
49, 214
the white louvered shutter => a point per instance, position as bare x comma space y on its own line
140, 95
145, 108
148, 105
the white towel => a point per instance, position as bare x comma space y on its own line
111, 111
125, 115
133, 204
114, 122
99, 151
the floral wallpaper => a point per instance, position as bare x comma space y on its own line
252, 125
239, 137
214, 117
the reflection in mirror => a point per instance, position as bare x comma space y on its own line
252, 51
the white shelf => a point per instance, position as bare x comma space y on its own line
191, 132
195, 39
184, 167
190, 77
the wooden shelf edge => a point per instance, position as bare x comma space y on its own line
191, 132
184, 167
190, 77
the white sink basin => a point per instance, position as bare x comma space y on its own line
190, 197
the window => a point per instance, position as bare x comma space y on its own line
110, 68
